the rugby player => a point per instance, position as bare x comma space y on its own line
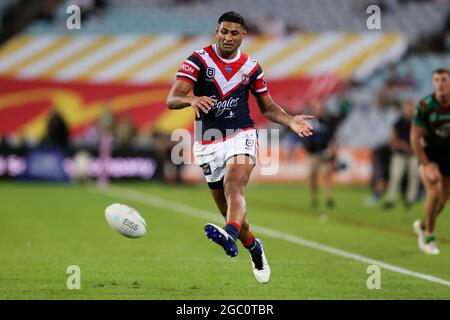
221, 77
430, 140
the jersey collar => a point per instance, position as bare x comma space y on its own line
226, 60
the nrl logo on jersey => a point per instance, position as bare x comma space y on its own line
210, 72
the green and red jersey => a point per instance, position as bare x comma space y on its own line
435, 118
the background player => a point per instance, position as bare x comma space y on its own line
220, 77
321, 149
430, 140
403, 159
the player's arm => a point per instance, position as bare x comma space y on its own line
179, 98
275, 113
416, 136
418, 133
430, 169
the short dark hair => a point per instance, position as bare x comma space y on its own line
232, 16
441, 70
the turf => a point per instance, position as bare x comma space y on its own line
46, 228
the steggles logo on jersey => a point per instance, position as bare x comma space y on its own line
210, 72
224, 105
228, 69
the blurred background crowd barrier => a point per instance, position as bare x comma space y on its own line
61, 89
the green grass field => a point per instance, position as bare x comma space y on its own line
45, 228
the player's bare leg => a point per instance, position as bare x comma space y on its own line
327, 185
413, 182
445, 195
434, 203
221, 202
314, 188
237, 175
434, 193
231, 203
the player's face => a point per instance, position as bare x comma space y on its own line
408, 109
229, 36
441, 84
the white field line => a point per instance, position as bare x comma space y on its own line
158, 202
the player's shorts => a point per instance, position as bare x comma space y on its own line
441, 158
212, 157
317, 164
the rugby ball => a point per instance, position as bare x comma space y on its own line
125, 220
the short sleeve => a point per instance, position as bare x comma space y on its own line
419, 114
258, 85
189, 70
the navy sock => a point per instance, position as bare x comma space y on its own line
232, 228
255, 250
253, 246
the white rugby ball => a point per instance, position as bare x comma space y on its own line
125, 220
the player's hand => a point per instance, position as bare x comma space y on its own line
431, 171
202, 104
299, 125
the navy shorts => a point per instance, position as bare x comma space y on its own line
442, 158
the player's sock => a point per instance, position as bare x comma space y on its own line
430, 238
232, 228
252, 246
